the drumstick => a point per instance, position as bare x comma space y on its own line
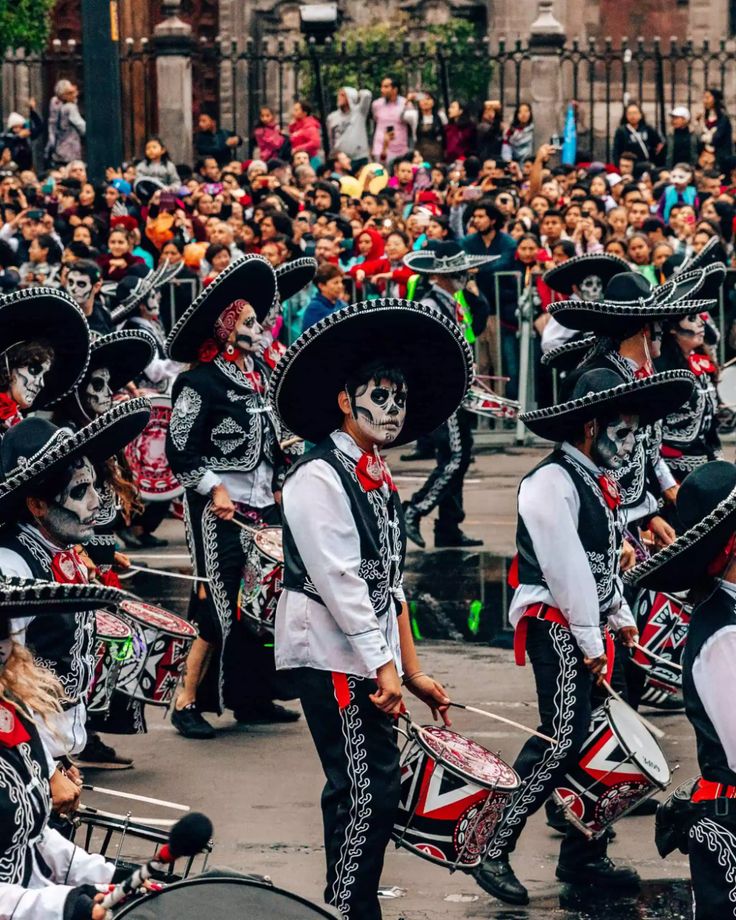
165, 573
152, 822
492, 715
135, 798
657, 732
290, 442
656, 657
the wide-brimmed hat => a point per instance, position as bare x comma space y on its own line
429, 348
602, 392
604, 265
34, 597
630, 303
294, 276
714, 271
564, 358
251, 278
444, 258
35, 450
48, 315
133, 290
706, 506
711, 253
146, 187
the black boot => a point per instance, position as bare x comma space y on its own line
602, 872
190, 722
496, 877
412, 522
456, 539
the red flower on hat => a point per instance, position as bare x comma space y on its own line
609, 488
208, 351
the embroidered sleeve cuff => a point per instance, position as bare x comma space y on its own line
372, 648
207, 483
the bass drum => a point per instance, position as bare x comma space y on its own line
208, 896
146, 455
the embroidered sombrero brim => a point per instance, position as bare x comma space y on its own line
619, 319
294, 276
566, 357
154, 280
103, 437
50, 316
687, 286
33, 597
125, 354
711, 253
251, 278
650, 398
425, 262
561, 278
429, 348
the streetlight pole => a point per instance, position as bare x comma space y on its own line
102, 106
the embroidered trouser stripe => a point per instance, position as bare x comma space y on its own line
356, 744
453, 441
712, 852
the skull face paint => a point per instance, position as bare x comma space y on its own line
591, 289
71, 517
680, 177
97, 393
152, 306
248, 331
79, 286
27, 382
459, 281
690, 333
655, 340
614, 440
379, 409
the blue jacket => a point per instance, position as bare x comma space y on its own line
318, 308
502, 245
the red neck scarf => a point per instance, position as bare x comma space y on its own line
372, 472
12, 732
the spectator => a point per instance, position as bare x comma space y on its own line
460, 133
490, 131
19, 134
682, 146
640, 256
427, 125
328, 298
387, 275
680, 190
346, 126
518, 139
636, 137
119, 259
391, 137
716, 133
218, 257
268, 138
304, 130
66, 127
156, 164
211, 141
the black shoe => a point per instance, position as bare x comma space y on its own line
417, 455
412, 522
130, 539
496, 877
100, 756
266, 713
556, 817
149, 541
459, 539
602, 872
190, 722
647, 808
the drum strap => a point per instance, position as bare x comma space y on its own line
707, 789
552, 615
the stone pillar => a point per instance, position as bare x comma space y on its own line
546, 37
173, 45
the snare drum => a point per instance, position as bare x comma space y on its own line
481, 400
620, 765
146, 455
453, 792
160, 645
113, 646
261, 584
663, 622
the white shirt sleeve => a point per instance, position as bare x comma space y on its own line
321, 523
714, 675
14, 566
549, 506
19, 903
620, 615
664, 475
70, 864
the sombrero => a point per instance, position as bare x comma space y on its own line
429, 348
51, 316
600, 391
34, 450
146, 187
294, 276
706, 506
562, 277
33, 597
710, 254
132, 290
444, 258
565, 358
251, 278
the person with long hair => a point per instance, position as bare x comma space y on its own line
716, 132
490, 131
157, 164
460, 133
518, 138
636, 137
427, 122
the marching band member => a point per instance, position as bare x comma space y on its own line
568, 545
359, 380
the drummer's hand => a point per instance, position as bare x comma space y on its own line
222, 507
121, 560
64, 793
98, 912
597, 666
664, 533
431, 692
628, 556
277, 496
669, 495
73, 773
388, 696
628, 636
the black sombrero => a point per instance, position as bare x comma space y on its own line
604, 265
251, 278
601, 391
444, 258
706, 505
710, 254
566, 357
35, 449
133, 289
429, 348
51, 316
33, 597
294, 276
146, 187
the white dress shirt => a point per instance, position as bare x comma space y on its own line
343, 634
549, 505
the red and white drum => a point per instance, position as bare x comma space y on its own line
146, 455
113, 638
261, 584
453, 792
481, 400
663, 621
160, 644
620, 765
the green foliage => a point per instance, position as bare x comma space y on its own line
361, 56
25, 24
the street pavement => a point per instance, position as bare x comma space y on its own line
261, 785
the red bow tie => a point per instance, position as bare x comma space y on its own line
701, 364
372, 473
610, 491
9, 412
68, 569
646, 370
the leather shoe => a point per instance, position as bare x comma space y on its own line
266, 713
411, 523
190, 722
459, 539
416, 455
602, 872
496, 877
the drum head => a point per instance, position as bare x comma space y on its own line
108, 626
269, 541
467, 758
193, 899
727, 386
639, 742
159, 619
146, 455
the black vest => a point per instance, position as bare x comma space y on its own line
599, 530
715, 612
380, 525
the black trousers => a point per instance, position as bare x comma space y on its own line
359, 754
443, 489
712, 852
563, 686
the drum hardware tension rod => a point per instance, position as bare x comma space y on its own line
492, 715
88, 810
165, 572
135, 798
657, 732
656, 657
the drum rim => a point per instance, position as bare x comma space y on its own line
260, 531
147, 625
446, 863
633, 754
101, 636
458, 771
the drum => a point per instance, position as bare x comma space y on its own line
160, 645
663, 622
112, 647
481, 400
261, 584
727, 399
619, 766
146, 455
453, 792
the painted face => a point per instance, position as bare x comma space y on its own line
614, 441
152, 306
97, 393
379, 408
680, 177
6, 647
591, 289
690, 333
72, 515
248, 332
79, 287
27, 382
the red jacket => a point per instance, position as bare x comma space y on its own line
306, 135
379, 266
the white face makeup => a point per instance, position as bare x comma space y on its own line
680, 177
97, 392
379, 408
6, 647
152, 307
690, 333
79, 286
27, 382
248, 332
72, 515
591, 289
614, 441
